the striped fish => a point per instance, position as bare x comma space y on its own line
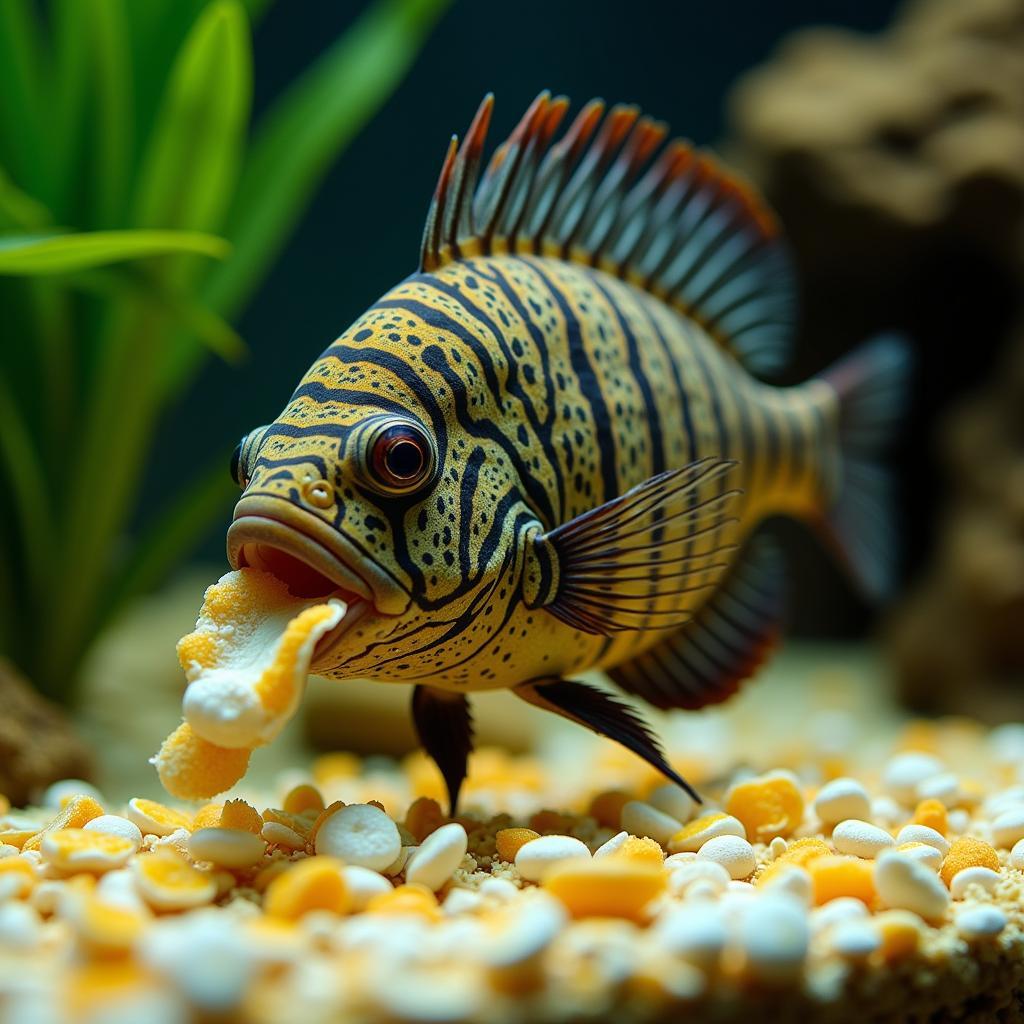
549, 449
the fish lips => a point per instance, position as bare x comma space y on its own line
265, 525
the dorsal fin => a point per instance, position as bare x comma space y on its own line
668, 218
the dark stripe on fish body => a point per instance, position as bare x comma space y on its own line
589, 384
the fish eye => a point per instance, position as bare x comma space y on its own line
401, 457
237, 472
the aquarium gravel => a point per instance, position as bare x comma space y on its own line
840, 884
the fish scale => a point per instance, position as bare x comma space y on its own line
549, 451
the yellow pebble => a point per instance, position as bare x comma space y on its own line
238, 814
303, 798
642, 849
16, 836
77, 812
833, 876
968, 852
18, 867
606, 807
693, 834
406, 899
79, 849
316, 883
768, 806
105, 926
192, 768
900, 932
332, 767
423, 817
156, 819
166, 881
607, 887
208, 816
933, 814
507, 841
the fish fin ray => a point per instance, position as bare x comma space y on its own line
610, 569
611, 193
444, 725
725, 643
603, 714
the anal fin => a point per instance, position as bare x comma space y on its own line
445, 728
603, 714
705, 661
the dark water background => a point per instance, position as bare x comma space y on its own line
361, 235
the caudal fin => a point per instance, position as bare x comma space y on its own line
871, 384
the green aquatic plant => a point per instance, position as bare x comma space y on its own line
138, 212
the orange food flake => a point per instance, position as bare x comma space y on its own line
292, 821
241, 815
968, 852
508, 841
768, 806
192, 768
303, 798
406, 899
316, 883
208, 816
607, 887
834, 876
606, 807
424, 817
76, 813
167, 881
933, 814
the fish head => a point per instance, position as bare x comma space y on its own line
366, 489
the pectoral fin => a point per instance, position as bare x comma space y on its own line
705, 661
621, 565
445, 728
603, 714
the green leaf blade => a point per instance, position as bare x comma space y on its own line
60, 254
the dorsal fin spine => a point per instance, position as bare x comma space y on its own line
674, 224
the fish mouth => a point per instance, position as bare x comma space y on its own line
313, 560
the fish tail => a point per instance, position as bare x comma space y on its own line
870, 385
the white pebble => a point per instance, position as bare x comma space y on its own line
276, 834
226, 847
886, 812
20, 926
794, 882
977, 875
696, 934
360, 834
537, 922
6, 850
1016, 859
861, 838
673, 801
438, 856
55, 796
613, 845
923, 834
944, 787
841, 799
905, 772
980, 921
397, 866
922, 852
855, 940
702, 891
777, 847
115, 825
716, 825
1007, 742
461, 901
535, 858
674, 860
735, 854
907, 884
1008, 828
363, 884
774, 936
682, 876
959, 821
838, 911
498, 889
640, 819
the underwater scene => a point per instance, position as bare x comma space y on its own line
511, 514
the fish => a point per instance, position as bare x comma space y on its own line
550, 449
